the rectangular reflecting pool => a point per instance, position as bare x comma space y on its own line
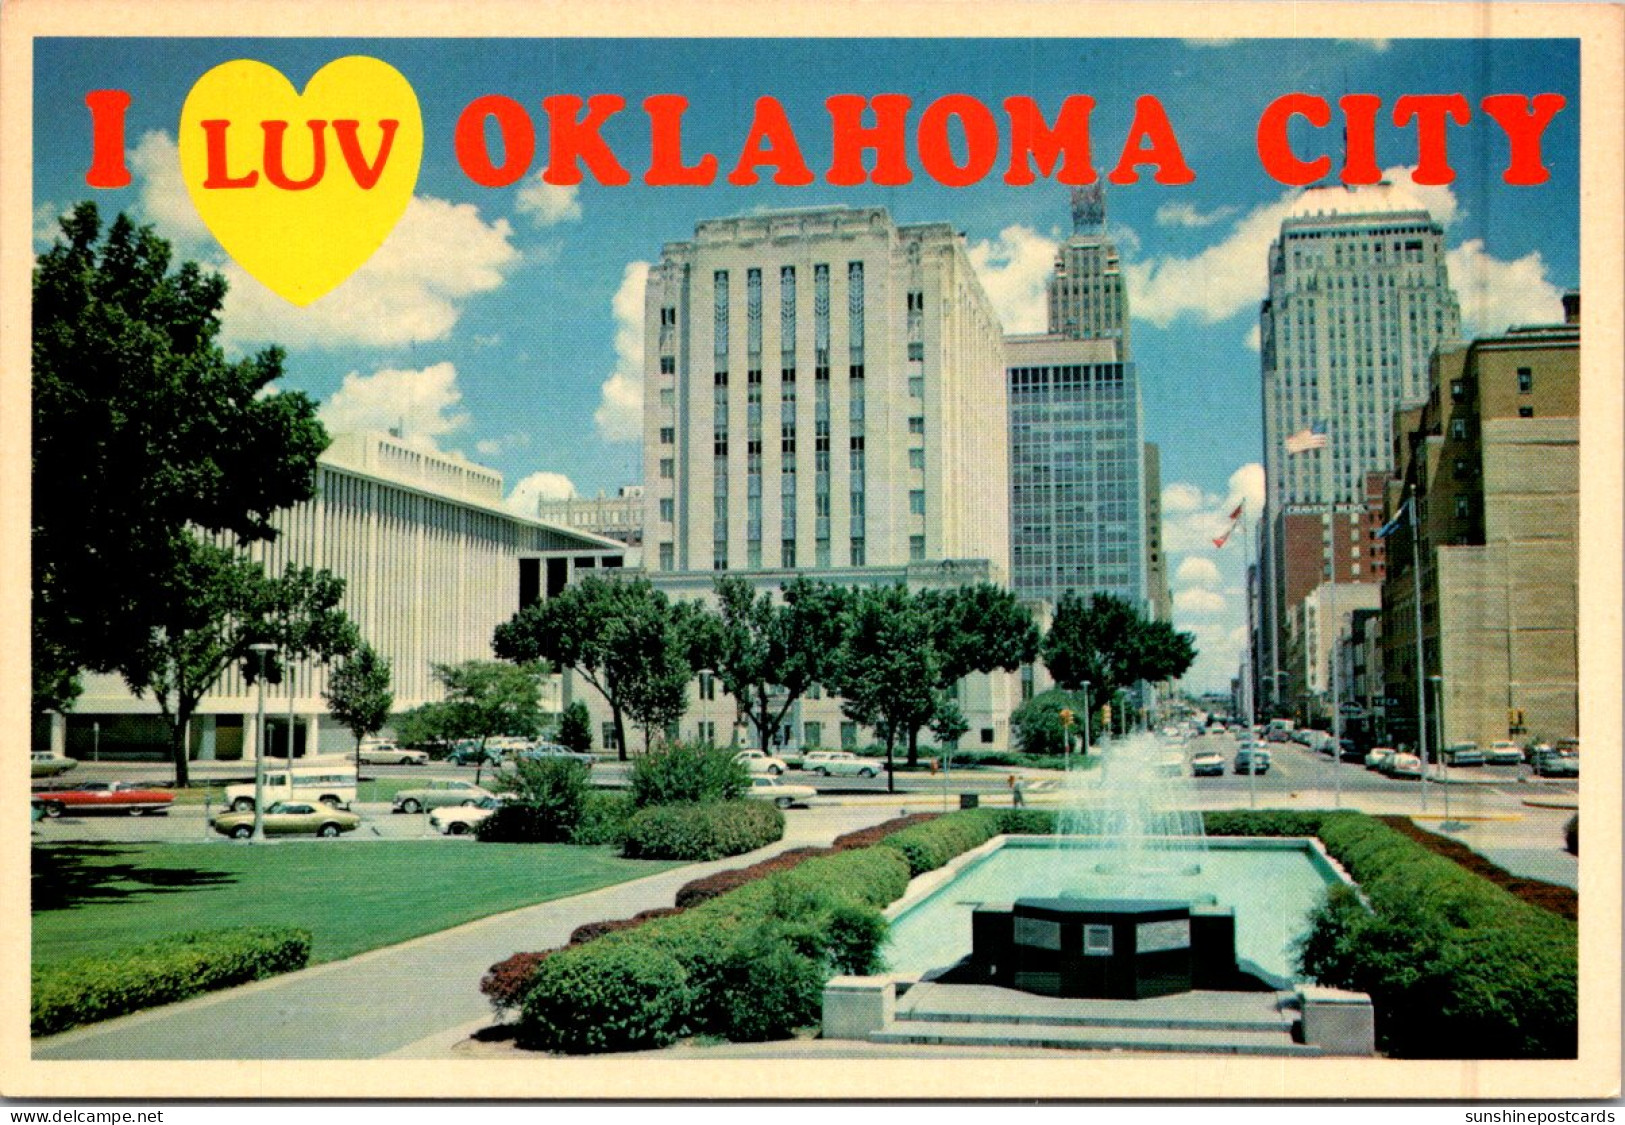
1272, 885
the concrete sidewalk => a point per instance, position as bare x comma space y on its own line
414, 999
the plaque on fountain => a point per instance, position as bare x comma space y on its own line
1121, 949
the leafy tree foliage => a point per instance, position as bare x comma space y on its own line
144, 436
623, 637
207, 610
679, 773
358, 695
788, 644
575, 728
486, 699
1037, 723
1108, 643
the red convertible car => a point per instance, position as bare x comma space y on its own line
110, 796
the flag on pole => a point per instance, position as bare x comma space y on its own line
1225, 538
1399, 517
1236, 515
1305, 440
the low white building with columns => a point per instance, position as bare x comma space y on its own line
432, 563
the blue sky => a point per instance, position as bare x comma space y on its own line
500, 323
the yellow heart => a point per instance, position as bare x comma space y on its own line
301, 189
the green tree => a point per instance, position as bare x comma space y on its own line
687, 773
888, 668
144, 435
575, 728
486, 699
1109, 644
623, 637
211, 606
423, 726
1038, 725
770, 651
358, 695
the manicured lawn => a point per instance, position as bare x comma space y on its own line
353, 895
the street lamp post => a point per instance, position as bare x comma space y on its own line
1088, 717
260, 651
1438, 711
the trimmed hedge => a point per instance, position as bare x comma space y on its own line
90, 989
1455, 966
702, 832
603, 819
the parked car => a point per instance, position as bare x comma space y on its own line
43, 763
1252, 759
1209, 763
1463, 754
1555, 763
1404, 765
841, 763
548, 751
1379, 756
782, 795
289, 818
471, 753
330, 782
460, 820
758, 762
438, 794
388, 754
1503, 754
106, 796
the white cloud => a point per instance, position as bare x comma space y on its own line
538, 486
1219, 648
413, 289
1181, 497
1496, 295
423, 402
1254, 340
1186, 215
1195, 518
1197, 571
155, 165
548, 204
492, 447
1198, 601
620, 411
47, 223
1013, 269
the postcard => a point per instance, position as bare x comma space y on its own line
925, 551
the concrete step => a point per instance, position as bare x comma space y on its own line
958, 1033
1224, 1012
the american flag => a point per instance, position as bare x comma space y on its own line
1305, 440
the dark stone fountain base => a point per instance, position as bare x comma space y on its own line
1111, 949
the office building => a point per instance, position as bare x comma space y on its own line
1359, 299
618, 517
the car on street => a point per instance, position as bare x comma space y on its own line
388, 754
1379, 756
841, 763
460, 820
439, 794
43, 763
471, 753
550, 751
782, 795
1463, 754
106, 796
1209, 763
290, 818
1404, 765
1251, 759
331, 781
1547, 762
758, 762
1503, 754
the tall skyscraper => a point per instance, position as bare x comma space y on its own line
1078, 459
818, 389
1359, 298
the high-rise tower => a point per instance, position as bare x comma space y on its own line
1085, 294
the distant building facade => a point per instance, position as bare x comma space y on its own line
618, 517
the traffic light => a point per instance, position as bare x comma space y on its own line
1514, 720
1066, 716
1106, 715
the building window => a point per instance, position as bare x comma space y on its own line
916, 548
916, 350
916, 386
987, 736
916, 502
668, 397
1464, 507
916, 424
1458, 429
707, 732
1526, 411
667, 556
1526, 380
668, 435
916, 458
607, 737
708, 686
812, 734
787, 554
668, 365
1460, 468
668, 468
858, 553
666, 506
1458, 390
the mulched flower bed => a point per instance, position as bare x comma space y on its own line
1562, 901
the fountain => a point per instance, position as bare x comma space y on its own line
1136, 810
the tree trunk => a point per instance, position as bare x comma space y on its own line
178, 750
620, 730
913, 747
891, 765
479, 762
358, 759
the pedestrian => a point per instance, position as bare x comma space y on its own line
1018, 792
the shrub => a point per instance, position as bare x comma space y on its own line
702, 890
506, 982
575, 728
89, 989
1264, 822
1571, 835
868, 837
927, 847
1026, 822
702, 832
767, 989
1037, 724
609, 995
603, 819
856, 935
687, 773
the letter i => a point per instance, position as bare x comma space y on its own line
107, 167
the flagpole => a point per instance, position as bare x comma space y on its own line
1247, 670
1421, 671
1330, 506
